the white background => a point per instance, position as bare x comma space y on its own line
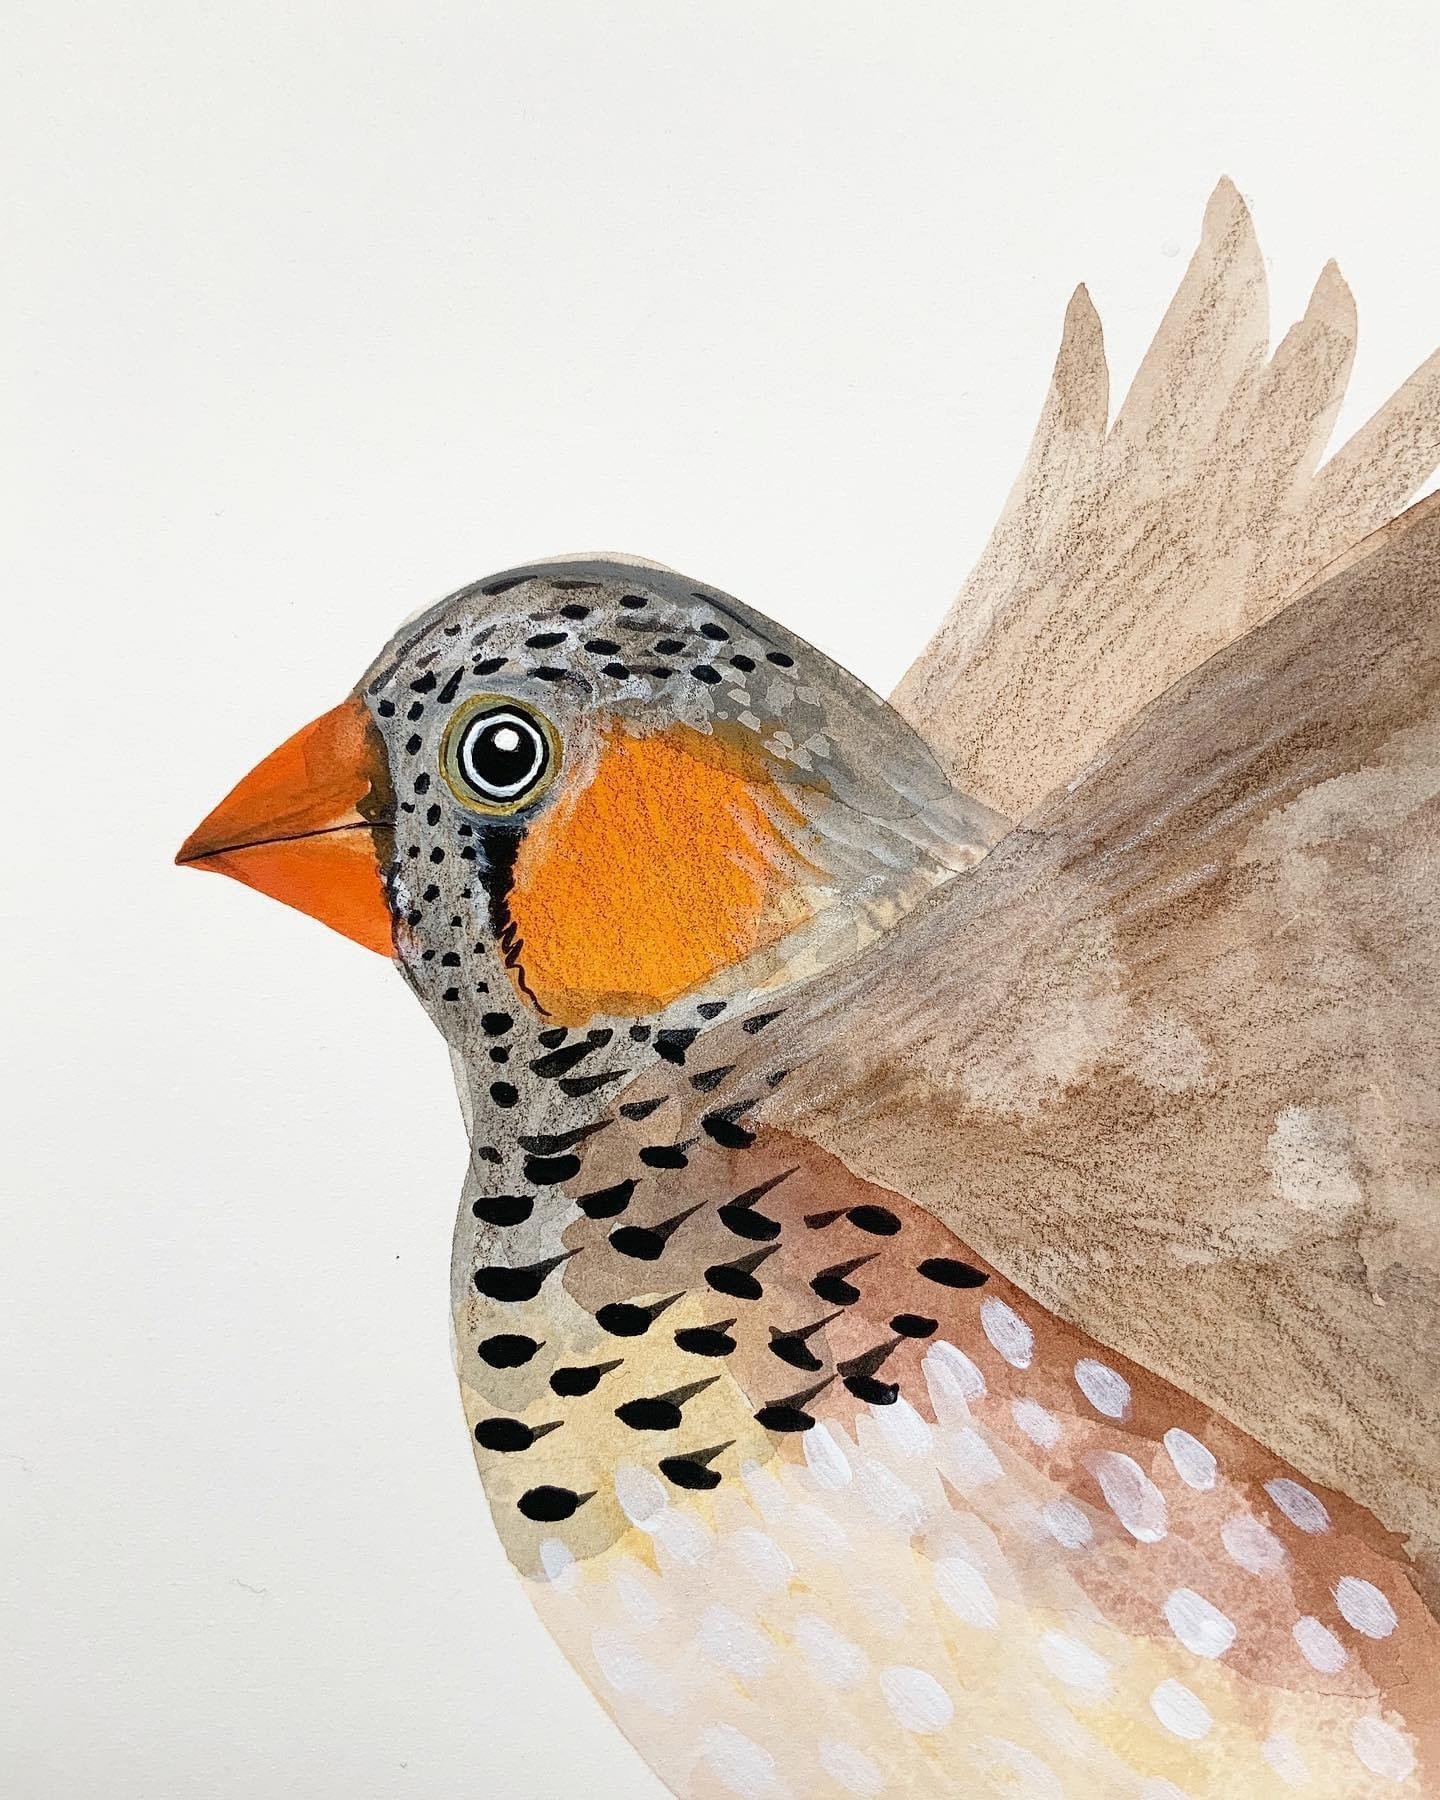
315, 312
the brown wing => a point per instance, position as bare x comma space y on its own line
1127, 555
1169, 1057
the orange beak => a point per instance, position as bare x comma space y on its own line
305, 827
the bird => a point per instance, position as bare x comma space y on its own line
944, 1292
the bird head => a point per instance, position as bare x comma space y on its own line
587, 792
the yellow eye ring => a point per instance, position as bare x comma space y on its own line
499, 755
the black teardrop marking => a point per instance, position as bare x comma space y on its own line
576, 1087
548, 1505
647, 1242
746, 1224
642, 1109
574, 1383
858, 1374
738, 1278
606, 1203
661, 1412
550, 1171
760, 1021
504, 1209
831, 1286
507, 1349
510, 1434
821, 1221
791, 1346
514, 1285
551, 1143
711, 1009
914, 1325
553, 1035
789, 1414
947, 1271
736, 1214
622, 1318
562, 1061
665, 1156
723, 1127
691, 1471
879, 1221
706, 1340
672, 1043
709, 1079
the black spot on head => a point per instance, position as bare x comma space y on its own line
426, 683
704, 673
635, 601
947, 1271
745, 664
450, 689
507, 1350
495, 1024
575, 1383
780, 659
509, 1434
549, 1505
504, 1209
545, 640
488, 665
386, 709
504, 1093
716, 633
574, 611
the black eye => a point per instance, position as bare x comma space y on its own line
499, 754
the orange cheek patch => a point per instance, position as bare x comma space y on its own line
670, 864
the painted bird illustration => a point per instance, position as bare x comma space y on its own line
945, 1291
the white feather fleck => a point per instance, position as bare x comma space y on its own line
1363, 1605
1041, 1427
917, 1699
1107, 1391
1318, 1645
1131, 1495
1181, 1712
1382, 1749
1299, 1505
1007, 1332
1193, 1463
966, 1592
1201, 1627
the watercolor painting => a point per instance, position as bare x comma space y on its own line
946, 1292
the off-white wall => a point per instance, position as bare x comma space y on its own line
316, 312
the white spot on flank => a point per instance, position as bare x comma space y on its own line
1007, 1332
1200, 1627
969, 1460
1287, 1762
828, 1464
736, 1762
1180, 1711
1106, 1391
559, 1565
1382, 1749
953, 1381
902, 1428
637, 1593
1299, 1505
1131, 1495
1318, 1645
1034, 1780
917, 1700
834, 1661
641, 1495
682, 1535
1365, 1607
734, 1643
1076, 1664
1193, 1462
630, 1674
1041, 1427
761, 1558
824, 1536
849, 1768
888, 1497
768, 1494
1067, 1524
1253, 1545
966, 1592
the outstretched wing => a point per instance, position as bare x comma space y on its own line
1170, 1056
1127, 554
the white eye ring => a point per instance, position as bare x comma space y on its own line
499, 755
